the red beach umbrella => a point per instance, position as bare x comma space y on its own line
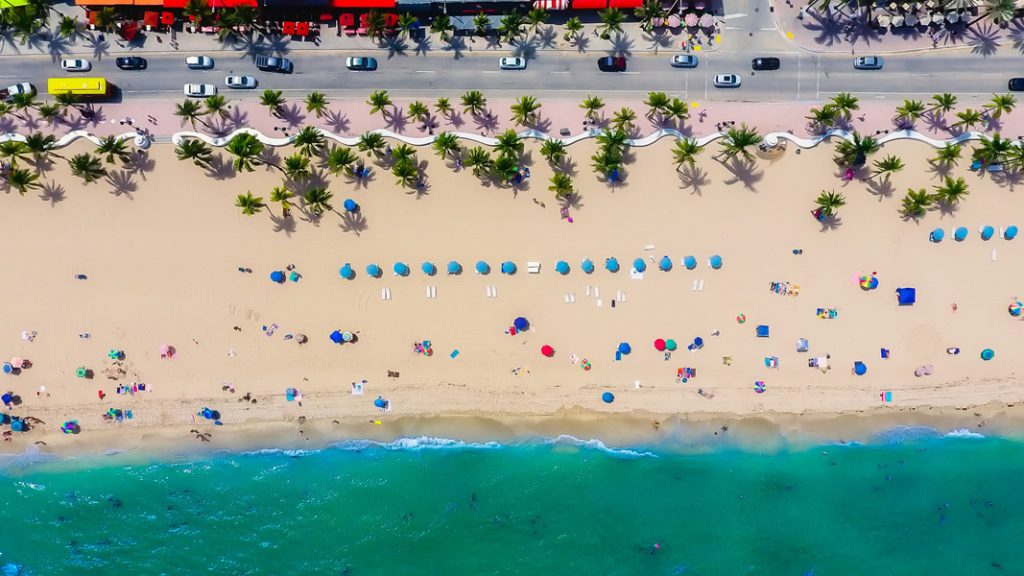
659, 345
547, 350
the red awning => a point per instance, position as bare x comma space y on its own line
151, 18
363, 3
302, 28
288, 28
129, 29
167, 18
347, 19
624, 3
231, 3
551, 4
174, 3
390, 20
326, 16
589, 4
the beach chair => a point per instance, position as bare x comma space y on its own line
533, 267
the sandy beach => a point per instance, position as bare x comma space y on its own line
162, 253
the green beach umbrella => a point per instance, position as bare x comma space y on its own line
987, 354
670, 344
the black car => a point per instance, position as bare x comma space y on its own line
1016, 84
130, 63
766, 64
611, 64
274, 64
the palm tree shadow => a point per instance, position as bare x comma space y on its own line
939, 170
56, 47
622, 45
864, 32
353, 222
396, 46
984, 39
831, 223
566, 166
7, 40
693, 177
935, 121
122, 183
548, 37
284, 224
237, 118
486, 122
219, 168
828, 29
424, 45
140, 163
1008, 178
269, 158
99, 47
882, 188
363, 182
337, 121
994, 124
946, 209
396, 120
1017, 35
273, 45
456, 119
6, 125
744, 171
52, 192
542, 125
456, 45
572, 201
581, 42
659, 39
292, 115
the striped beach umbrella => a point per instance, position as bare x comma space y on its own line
1016, 307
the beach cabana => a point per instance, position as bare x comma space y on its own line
608, 397
277, 276
373, 271
860, 368
639, 265
483, 267
1010, 233
624, 348
428, 268
906, 296
611, 264
690, 262
521, 324
347, 272
547, 351
587, 266
986, 232
350, 205
401, 269
508, 267
454, 268
562, 267
715, 261
762, 331
960, 234
665, 264
336, 337
937, 235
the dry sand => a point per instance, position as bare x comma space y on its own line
162, 259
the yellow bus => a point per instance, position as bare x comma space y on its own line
78, 85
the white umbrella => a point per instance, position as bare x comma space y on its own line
897, 21
883, 21
911, 20
926, 19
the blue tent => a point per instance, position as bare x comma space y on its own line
1010, 233
562, 267
380, 402
859, 368
960, 234
608, 397
454, 267
937, 235
336, 337
906, 296
289, 394
690, 262
624, 348
762, 331
347, 272
373, 270
611, 264
639, 265
508, 267
987, 232
350, 205
7, 398
428, 268
277, 276
587, 266
483, 267
521, 324
665, 263
401, 269
715, 261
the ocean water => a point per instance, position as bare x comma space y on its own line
910, 503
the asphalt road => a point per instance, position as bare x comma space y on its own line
803, 77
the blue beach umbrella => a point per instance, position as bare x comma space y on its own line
611, 264
690, 262
401, 269
380, 402
483, 267
860, 368
454, 267
987, 354
987, 232
608, 397
521, 324
639, 265
624, 348
428, 268
347, 272
373, 270
1010, 233
350, 205
715, 261
277, 276
336, 337
508, 267
937, 235
665, 264
960, 234
562, 267
587, 266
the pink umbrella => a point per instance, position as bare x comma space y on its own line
167, 351
673, 21
17, 362
690, 19
707, 21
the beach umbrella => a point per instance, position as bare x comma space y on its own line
987, 354
166, 351
1010, 233
547, 350
868, 282
336, 336
608, 397
277, 276
301, 338
659, 345
562, 267
906, 296
690, 19
428, 268
587, 266
611, 264
347, 272
7, 398
690, 262
207, 413
624, 348
707, 21
521, 324
483, 267
639, 265
987, 232
380, 402
665, 263
454, 267
289, 394
670, 344
17, 362
401, 269
81, 372
960, 234
8, 368
347, 336
508, 267
859, 368
350, 205
1016, 307
698, 342
715, 261
373, 271
937, 235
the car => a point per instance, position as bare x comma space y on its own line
765, 63
611, 64
361, 63
868, 63
76, 65
274, 64
728, 81
15, 89
512, 63
684, 61
241, 82
1016, 84
130, 63
200, 90
199, 62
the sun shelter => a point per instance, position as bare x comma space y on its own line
906, 296
547, 351
587, 266
336, 337
277, 276
715, 261
987, 232
690, 262
401, 269
802, 345
521, 324
562, 267
665, 264
960, 234
454, 268
611, 264
347, 272
762, 331
860, 368
937, 235
373, 271
483, 267
508, 267
1010, 233
639, 265
289, 394
350, 205
428, 268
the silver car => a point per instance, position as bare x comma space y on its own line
200, 90
868, 63
728, 81
240, 82
684, 61
199, 62
512, 63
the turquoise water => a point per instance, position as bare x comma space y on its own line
909, 507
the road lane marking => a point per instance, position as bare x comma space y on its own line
425, 71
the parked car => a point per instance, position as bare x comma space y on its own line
130, 63
684, 61
75, 65
728, 81
868, 63
361, 63
200, 90
274, 64
15, 89
1016, 84
240, 82
512, 63
199, 62
611, 64
766, 64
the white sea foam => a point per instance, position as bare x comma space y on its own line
595, 444
31, 455
415, 443
963, 433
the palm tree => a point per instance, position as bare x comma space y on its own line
23, 102
968, 119
561, 185
443, 107
888, 165
250, 204
656, 103
511, 26
536, 17
474, 102
87, 167
948, 155
910, 111
22, 179
845, 104
648, 12
915, 203
1001, 103
738, 140
198, 11
823, 117
1014, 158
479, 160
992, 150
113, 147
442, 25
686, 152
14, 150
67, 100
406, 22
418, 110
623, 119
296, 167
40, 146
195, 150
943, 102
553, 151
524, 110
406, 173
855, 152
316, 102
273, 100
371, 142
403, 153
504, 169
379, 102
951, 191
999, 12
677, 109
509, 144
106, 17
283, 196
318, 199
376, 23
246, 149
606, 161
191, 111
611, 21
829, 202
592, 105
614, 140
48, 111
446, 144
216, 104
340, 158
573, 27
310, 141
481, 24
69, 27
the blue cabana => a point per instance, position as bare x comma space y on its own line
624, 348
508, 267
1010, 233
350, 205
906, 296
608, 397
454, 267
562, 267
336, 337
639, 265
587, 266
987, 232
373, 271
690, 262
277, 276
483, 267
762, 331
521, 324
715, 261
665, 263
937, 235
428, 268
401, 269
960, 234
347, 272
611, 264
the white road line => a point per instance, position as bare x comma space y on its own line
560, 72
734, 16
799, 67
425, 71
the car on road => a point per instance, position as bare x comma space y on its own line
240, 82
75, 65
200, 90
361, 63
131, 63
684, 61
199, 62
611, 64
1016, 84
728, 80
15, 89
512, 63
765, 63
274, 64
868, 63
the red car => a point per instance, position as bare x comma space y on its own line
612, 64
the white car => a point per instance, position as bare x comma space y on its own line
199, 62
684, 61
868, 63
15, 89
728, 80
240, 82
512, 63
200, 90
76, 65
